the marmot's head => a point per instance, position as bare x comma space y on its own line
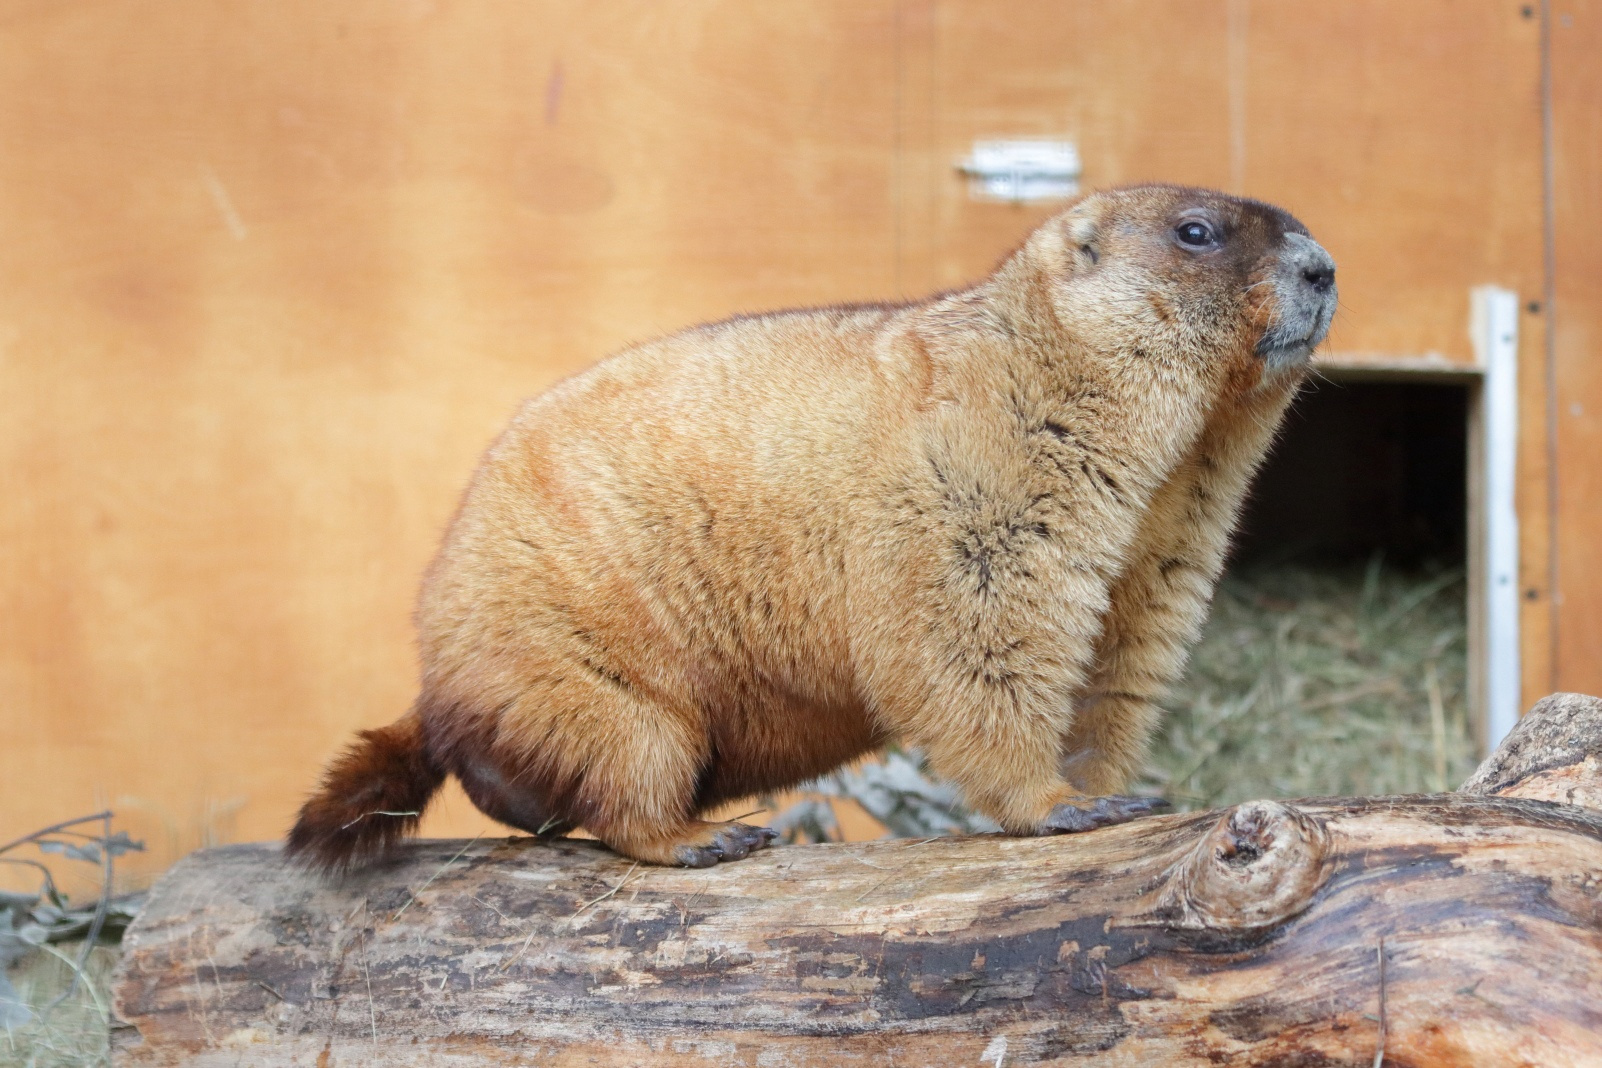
1191, 273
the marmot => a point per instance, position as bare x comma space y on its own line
986, 525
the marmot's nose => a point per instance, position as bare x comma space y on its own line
1305, 257
1320, 277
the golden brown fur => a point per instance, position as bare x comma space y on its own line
986, 525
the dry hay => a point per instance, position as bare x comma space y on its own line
56, 955
1313, 681
72, 1033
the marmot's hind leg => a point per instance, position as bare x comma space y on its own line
639, 795
598, 754
508, 801
691, 843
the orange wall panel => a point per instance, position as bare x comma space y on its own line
1576, 413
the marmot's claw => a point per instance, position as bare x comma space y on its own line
1069, 818
733, 841
697, 856
1133, 807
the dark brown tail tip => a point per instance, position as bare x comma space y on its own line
371, 796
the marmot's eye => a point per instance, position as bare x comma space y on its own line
1195, 234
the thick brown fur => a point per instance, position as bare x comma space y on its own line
370, 796
986, 525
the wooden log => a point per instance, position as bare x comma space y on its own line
1427, 930
1553, 754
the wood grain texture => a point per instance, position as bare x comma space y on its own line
1464, 929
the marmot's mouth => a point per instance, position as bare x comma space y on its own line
1304, 302
1277, 350
1293, 339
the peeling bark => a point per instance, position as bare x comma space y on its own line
1461, 928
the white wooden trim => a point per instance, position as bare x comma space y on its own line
1495, 332
1368, 367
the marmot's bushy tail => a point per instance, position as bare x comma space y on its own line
371, 795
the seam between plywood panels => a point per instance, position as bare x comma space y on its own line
1554, 596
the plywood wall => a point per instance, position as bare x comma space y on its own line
1573, 426
272, 275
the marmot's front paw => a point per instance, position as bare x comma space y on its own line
729, 842
1067, 818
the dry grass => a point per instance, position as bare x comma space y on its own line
1318, 681
72, 1034
55, 955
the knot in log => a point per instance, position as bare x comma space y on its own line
1259, 865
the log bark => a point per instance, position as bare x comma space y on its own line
1447, 929
1553, 754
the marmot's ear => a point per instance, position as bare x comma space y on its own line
1083, 237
